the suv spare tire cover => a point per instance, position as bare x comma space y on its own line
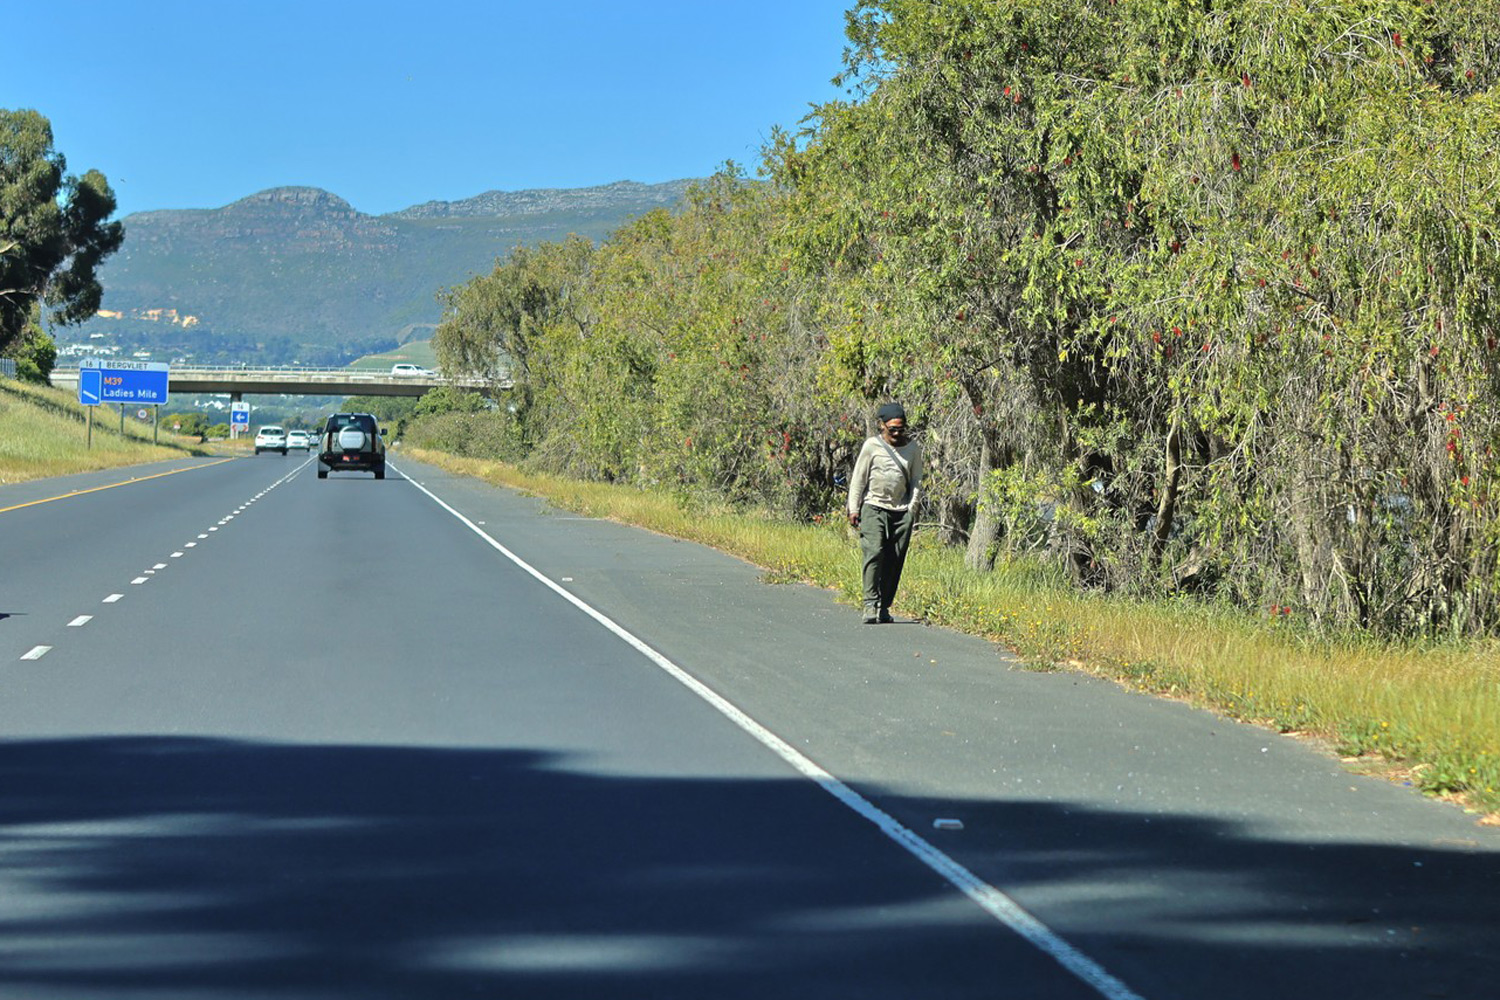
351, 439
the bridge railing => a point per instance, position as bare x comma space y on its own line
69, 372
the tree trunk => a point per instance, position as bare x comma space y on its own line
984, 537
1166, 511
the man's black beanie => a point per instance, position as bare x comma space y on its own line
891, 411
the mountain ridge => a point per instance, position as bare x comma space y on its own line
297, 274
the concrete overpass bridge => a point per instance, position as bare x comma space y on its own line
238, 382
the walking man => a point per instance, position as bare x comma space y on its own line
883, 506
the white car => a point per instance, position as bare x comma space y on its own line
411, 371
298, 439
270, 438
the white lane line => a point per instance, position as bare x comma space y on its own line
202, 536
36, 653
140, 580
211, 529
176, 555
191, 545
80, 621
112, 598
994, 902
160, 566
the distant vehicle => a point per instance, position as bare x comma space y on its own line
271, 437
411, 371
351, 442
299, 439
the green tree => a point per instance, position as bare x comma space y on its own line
34, 351
1238, 257
54, 229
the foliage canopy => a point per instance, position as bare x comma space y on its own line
54, 229
1189, 297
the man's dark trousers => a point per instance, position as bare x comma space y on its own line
883, 537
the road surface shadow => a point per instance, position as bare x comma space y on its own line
177, 867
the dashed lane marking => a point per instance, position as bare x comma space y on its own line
80, 621
36, 653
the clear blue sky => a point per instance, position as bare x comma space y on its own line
197, 103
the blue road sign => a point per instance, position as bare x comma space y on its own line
239, 417
124, 381
90, 386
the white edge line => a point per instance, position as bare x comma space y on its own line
993, 901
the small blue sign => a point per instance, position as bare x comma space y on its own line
123, 381
239, 417
90, 386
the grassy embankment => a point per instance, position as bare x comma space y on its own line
1428, 714
42, 433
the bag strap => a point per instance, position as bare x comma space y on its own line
901, 463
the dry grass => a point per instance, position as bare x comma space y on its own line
43, 433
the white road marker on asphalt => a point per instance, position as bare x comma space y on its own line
994, 902
202, 536
176, 555
112, 598
191, 545
160, 566
140, 580
36, 653
80, 621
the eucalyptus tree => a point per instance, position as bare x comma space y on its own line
54, 229
1237, 257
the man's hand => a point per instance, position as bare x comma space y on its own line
854, 520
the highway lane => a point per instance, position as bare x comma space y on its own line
62, 540
331, 743
1191, 856
347, 747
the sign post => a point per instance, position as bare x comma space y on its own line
120, 382
239, 418
90, 394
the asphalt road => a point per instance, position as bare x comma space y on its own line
267, 735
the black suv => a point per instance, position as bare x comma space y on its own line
351, 442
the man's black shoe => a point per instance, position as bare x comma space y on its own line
885, 616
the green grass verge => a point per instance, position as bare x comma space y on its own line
1426, 714
43, 433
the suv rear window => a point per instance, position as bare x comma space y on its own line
363, 421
